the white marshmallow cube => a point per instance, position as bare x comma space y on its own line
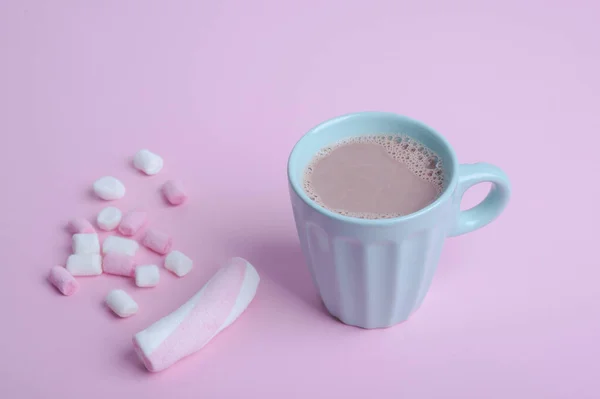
109, 188
121, 303
84, 264
147, 162
109, 218
178, 263
86, 243
147, 276
120, 245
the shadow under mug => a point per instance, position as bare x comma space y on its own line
376, 273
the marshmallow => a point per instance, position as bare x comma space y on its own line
84, 264
63, 280
132, 222
86, 243
174, 192
109, 218
120, 245
185, 331
157, 241
119, 264
178, 263
147, 162
109, 188
121, 303
147, 276
80, 226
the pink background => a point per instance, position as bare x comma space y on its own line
222, 90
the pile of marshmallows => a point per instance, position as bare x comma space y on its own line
118, 253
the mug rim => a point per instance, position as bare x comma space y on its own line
297, 187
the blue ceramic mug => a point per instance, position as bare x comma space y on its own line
376, 273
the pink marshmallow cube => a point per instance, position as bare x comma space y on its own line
174, 192
80, 226
132, 222
63, 280
119, 264
157, 241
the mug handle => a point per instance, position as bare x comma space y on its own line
491, 206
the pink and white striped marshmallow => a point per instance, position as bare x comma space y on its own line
80, 226
63, 280
132, 222
174, 192
185, 331
157, 241
119, 264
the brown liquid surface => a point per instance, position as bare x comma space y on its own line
375, 177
